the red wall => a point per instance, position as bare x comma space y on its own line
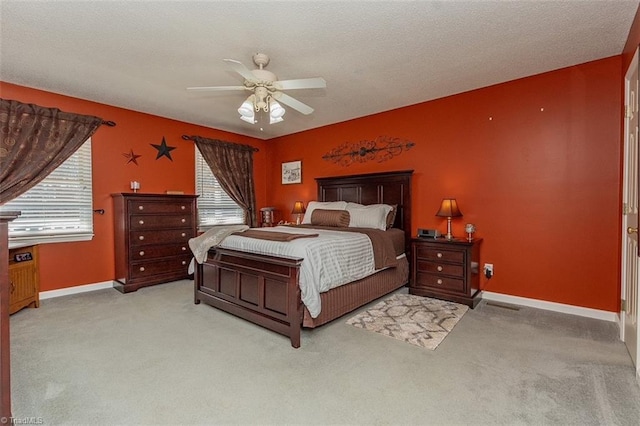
534, 164
71, 264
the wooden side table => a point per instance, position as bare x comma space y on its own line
24, 278
446, 269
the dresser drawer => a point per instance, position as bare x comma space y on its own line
155, 251
142, 238
439, 282
140, 222
435, 253
177, 265
440, 268
150, 206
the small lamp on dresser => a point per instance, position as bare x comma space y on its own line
267, 216
298, 211
449, 209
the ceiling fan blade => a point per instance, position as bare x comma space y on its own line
293, 103
301, 83
212, 88
241, 69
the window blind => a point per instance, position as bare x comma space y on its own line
59, 208
215, 207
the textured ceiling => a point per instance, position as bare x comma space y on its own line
375, 56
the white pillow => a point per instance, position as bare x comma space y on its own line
371, 216
326, 205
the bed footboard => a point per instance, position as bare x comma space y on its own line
259, 288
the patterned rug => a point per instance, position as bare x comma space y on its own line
421, 321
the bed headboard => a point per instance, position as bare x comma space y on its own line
373, 188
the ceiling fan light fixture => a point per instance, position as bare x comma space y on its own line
266, 88
276, 110
246, 109
250, 120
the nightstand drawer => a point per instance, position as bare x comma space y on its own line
440, 268
439, 282
432, 253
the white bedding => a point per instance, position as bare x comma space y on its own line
332, 259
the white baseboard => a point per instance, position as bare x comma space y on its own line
552, 306
75, 290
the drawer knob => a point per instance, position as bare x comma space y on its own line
184, 263
13, 286
183, 207
141, 237
141, 253
439, 255
142, 269
140, 207
439, 281
141, 222
184, 249
184, 235
439, 268
183, 220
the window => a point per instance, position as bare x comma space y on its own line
58, 209
215, 207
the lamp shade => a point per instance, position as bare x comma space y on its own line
276, 110
298, 208
246, 109
449, 208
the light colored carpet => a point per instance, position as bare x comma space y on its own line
152, 357
421, 321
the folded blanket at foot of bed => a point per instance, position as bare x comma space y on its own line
273, 236
201, 244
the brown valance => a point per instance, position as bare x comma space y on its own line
229, 145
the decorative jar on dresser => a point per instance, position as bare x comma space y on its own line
152, 232
446, 269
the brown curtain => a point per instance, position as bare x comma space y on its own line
232, 165
34, 141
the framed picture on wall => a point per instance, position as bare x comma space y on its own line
292, 172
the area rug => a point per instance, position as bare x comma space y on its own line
421, 321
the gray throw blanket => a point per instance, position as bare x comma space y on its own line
201, 244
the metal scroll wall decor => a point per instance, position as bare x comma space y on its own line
381, 149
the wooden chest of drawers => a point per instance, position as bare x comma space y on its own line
446, 269
152, 232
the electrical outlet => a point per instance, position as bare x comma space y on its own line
488, 270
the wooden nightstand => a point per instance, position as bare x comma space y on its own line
446, 269
24, 279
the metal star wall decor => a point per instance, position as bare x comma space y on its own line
131, 157
163, 149
382, 149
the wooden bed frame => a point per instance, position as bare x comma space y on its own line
264, 289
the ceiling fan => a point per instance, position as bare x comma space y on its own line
266, 90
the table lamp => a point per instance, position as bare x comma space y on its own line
298, 211
449, 209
